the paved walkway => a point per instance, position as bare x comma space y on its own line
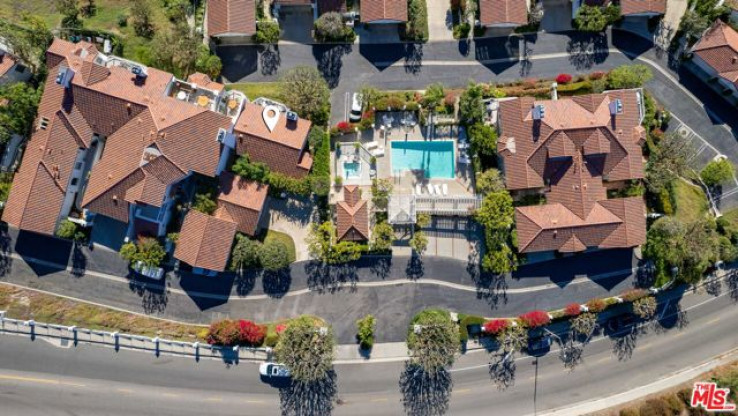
439, 20
293, 217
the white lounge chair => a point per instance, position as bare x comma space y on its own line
418, 189
371, 145
438, 189
444, 188
431, 191
464, 159
463, 145
379, 151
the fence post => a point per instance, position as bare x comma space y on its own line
196, 346
73, 330
2, 320
155, 340
116, 344
32, 324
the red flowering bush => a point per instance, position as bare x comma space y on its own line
280, 328
450, 99
251, 333
496, 326
535, 319
572, 309
596, 75
345, 127
563, 79
596, 305
226, 332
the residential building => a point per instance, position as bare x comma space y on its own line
231, 20
383, 11
12, 70
717, 54
352, 216
205, 240
572, 151
503, 13
116, 139
628, 8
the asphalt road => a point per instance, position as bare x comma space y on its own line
37, 378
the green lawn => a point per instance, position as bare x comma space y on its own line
258, 89
691, 202
285, 239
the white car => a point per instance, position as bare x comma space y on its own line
273, 370
355, 113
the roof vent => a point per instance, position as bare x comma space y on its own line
292, 116
539, 112
270, 116
139, 72
616, 107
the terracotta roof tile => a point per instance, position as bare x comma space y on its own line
352, 217
241, 201
719, 49
642, 6
503, 12
205, 241
383, 10
7, 62
231, 17
202, 80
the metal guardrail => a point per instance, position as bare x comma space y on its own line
119, 340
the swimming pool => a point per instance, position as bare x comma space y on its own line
352, 169
435, 159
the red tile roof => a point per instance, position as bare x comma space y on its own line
7, 62
572, 150
205, 241
642, 6
719, 49
202, 80
500, 12
383, 10
231, 17
241, 201
352, 222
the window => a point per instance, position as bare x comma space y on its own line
78, 166
43, 123
75, 181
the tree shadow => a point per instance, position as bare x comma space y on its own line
424, 393
276, 283
586, 50
309, 398
415, 269
245, 282
625, 343
713, 286
5, 250
79, 260
413, 58
330, 61
325, 278
381, 267
502, 370
732, 281
153, 296
270, 59
464, 47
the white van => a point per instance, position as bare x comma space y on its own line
355, 113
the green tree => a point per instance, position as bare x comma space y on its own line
307, 348
267, 32
497, 211
28, 41
306, 92
419, 242
67, 229
628, 76
256, 171
382, 236
471, 104
489, 181
645, 308
344, 252
147, 250
89, 9
496, 215
316, 138
204, 203
433, 95
612, 13
416, 28
433, 340
273, 255
584, 324
423, 220
18, 115
381, 190
141, 18
717, 172
667, 162
208, 63
176, 10
70, 13
693, 25
330, 27
590, 19
365, 331
322, 248
483, 140
245, 253
513, 338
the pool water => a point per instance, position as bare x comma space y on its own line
435, 159
352, 169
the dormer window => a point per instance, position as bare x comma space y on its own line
43, 123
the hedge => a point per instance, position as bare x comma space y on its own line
464, 321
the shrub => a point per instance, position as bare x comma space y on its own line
645, 308
633, 294
496, 326
365, 331
464, 324
563, 79
629, 76
450, 99
596, 75
596, 305
273, 255
330, 27
534, 319
267, 32
67, 229
717, 171
251, 333
225, 332
572, 309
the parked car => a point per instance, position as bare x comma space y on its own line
274, 370
355, 113
618, 323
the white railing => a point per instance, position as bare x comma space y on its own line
119, 340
